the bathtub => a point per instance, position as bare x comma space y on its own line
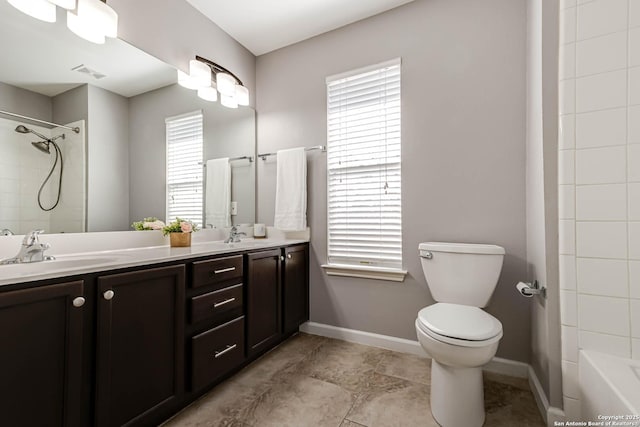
609, 389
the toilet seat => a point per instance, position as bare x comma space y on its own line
459, 325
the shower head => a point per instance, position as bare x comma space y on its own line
42, 146
24, 129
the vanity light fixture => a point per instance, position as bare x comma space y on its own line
226, 84
39, 9
201, 73
228, 101
93, 20
208, 93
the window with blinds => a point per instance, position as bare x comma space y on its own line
363, 163
184, 167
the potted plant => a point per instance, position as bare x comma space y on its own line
179, 232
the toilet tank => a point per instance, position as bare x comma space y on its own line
461, 273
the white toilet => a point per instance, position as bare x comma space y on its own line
458, 335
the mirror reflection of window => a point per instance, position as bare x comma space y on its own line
185, 143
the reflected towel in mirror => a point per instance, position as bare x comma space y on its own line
218, 193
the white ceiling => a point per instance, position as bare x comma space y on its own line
40, 56
263, 26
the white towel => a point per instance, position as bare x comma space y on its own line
218, 197
291, 190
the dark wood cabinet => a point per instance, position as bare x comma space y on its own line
140, 345
216, 352
295, 287
132, 347
41, 341
263, 296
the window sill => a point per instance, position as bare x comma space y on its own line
388, 274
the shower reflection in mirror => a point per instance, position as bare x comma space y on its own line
43, 188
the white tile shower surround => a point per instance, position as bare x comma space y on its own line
601, 128
601, 54
599, 179
633, 133
567, 132
568, 272
567, 210
606, 315
570, 343
593, 272
601, 202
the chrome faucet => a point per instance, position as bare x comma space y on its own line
31, 250
234, 235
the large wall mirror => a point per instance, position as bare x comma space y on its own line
117, 98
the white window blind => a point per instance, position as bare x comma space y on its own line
184, 167
363, 156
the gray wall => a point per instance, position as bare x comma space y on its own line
227, 133
542, 193
71, 105
108, 161
463, 159
21, 101
175, 32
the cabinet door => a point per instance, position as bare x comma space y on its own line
140, 345
295, 287
40, 356
263, 300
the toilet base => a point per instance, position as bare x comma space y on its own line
457, 396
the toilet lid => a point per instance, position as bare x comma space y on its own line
460, 321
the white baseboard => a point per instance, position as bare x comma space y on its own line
513, 368
400, 345
552, 414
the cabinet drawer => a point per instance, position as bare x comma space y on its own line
216, 352
217, 304
217, 271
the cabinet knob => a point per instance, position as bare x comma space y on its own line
78, 301
281, 258
288, 256
108, 294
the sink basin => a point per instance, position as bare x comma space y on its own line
64, 262
243, 244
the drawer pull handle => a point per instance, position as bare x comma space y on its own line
226, 350
227, 301
224, 270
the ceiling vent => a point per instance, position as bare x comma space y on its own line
86, 70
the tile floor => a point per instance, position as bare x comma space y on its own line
314, 381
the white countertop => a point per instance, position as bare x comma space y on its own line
71, 264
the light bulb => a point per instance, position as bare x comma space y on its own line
242, 95
228, 101
200, 73
226, 84
84, 29
208, 94
39, 9
186, 81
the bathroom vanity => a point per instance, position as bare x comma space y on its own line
132, 345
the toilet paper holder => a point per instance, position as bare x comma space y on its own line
528, 290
